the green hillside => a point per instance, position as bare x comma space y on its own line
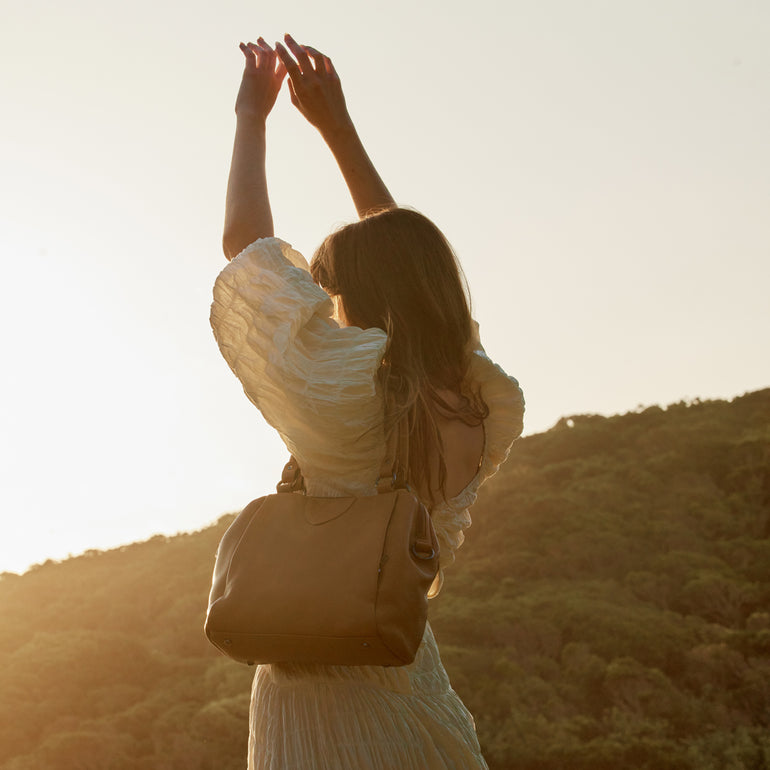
611, 609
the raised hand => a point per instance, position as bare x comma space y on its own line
315, 87
247, 211
263, 75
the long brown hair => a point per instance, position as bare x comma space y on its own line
395, 270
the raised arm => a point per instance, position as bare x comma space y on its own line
317, 93
247, 209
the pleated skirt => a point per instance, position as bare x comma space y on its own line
307, 717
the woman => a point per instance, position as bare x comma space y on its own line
376, 334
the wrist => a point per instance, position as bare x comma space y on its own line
340, 136
253, 122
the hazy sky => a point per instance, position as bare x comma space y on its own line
602, 168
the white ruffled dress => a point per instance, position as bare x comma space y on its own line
316, 384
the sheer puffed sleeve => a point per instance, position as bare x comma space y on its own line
315, 382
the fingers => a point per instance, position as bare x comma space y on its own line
251, 59
271, 59
323, 64
306, 60
330, 68
264, 53
293, 94
299, 62
299, 53
260, 55
288, 62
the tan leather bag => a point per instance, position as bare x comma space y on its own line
332, 580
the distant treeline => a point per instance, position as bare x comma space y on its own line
610, 609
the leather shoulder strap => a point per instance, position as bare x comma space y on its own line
394, 472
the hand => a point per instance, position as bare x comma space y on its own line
314, 87
262, 78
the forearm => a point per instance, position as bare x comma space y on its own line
317, 93
366, 187
247, 209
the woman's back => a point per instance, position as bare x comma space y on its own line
463, 448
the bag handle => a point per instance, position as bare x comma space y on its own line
392, 475
291, 478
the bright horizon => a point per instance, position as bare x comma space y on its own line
602, 171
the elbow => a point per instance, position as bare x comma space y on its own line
227, 249
235, 240
231, 245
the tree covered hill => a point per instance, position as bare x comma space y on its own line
611, 608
